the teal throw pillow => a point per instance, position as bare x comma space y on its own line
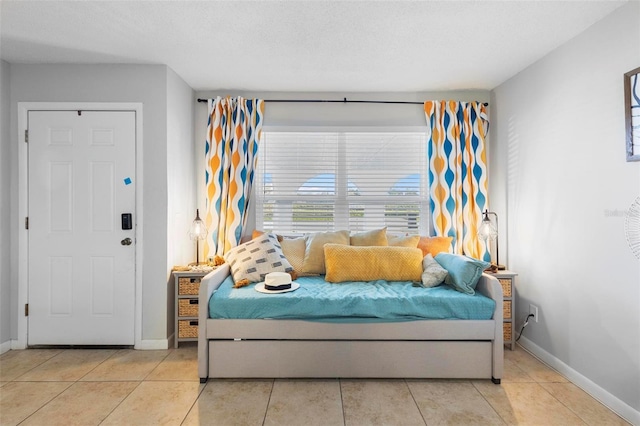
463, 271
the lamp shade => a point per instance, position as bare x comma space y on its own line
198, 229
487, 230
197, 233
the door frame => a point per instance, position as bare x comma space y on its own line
23, 206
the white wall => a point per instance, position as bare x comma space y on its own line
181, 179
558, 172
109, 83
5, 234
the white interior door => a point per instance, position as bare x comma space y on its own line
81, 282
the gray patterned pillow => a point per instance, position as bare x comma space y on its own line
433, 274
256, 258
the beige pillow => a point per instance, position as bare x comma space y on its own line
405, 241
293, 249
368, 263
314, 252
377, 237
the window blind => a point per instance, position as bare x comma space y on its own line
322, 181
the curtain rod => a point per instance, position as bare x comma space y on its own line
335, 101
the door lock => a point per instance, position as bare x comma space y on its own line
127, 222
126, 242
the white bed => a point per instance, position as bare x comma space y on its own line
260, 348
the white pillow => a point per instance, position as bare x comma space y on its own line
433, 274
256, 258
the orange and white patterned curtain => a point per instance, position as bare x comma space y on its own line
458, 172
233, 134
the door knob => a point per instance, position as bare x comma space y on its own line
126, 242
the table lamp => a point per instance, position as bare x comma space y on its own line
198, 232
489, 232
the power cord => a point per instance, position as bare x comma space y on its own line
526, 322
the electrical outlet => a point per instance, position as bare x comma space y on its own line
533, 310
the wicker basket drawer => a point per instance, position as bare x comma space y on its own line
187, 328
506, 286
506, 309
188, 285
506, 327
188, 307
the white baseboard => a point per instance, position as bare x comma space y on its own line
612, 402
18, 345
152, 345
11, 345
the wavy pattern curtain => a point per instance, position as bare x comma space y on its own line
458, 172
233, 134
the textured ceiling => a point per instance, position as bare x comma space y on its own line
373, 46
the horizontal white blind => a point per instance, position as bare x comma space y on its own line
320, 181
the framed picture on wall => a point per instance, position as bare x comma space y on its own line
632, 113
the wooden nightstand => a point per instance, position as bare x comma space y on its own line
187, 286
507, 279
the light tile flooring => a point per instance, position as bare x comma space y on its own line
127, 387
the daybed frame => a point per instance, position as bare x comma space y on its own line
259, 348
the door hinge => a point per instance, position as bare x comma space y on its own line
26, 136
26, 222
26, 309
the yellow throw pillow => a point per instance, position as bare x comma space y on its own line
314, 252
434, 245
369, 263
405, 241
377, 237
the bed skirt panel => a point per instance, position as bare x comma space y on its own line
349, 359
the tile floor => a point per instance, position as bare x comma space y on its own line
127, 387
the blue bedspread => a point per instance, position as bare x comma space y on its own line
319, 300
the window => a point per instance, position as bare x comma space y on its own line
320, 181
